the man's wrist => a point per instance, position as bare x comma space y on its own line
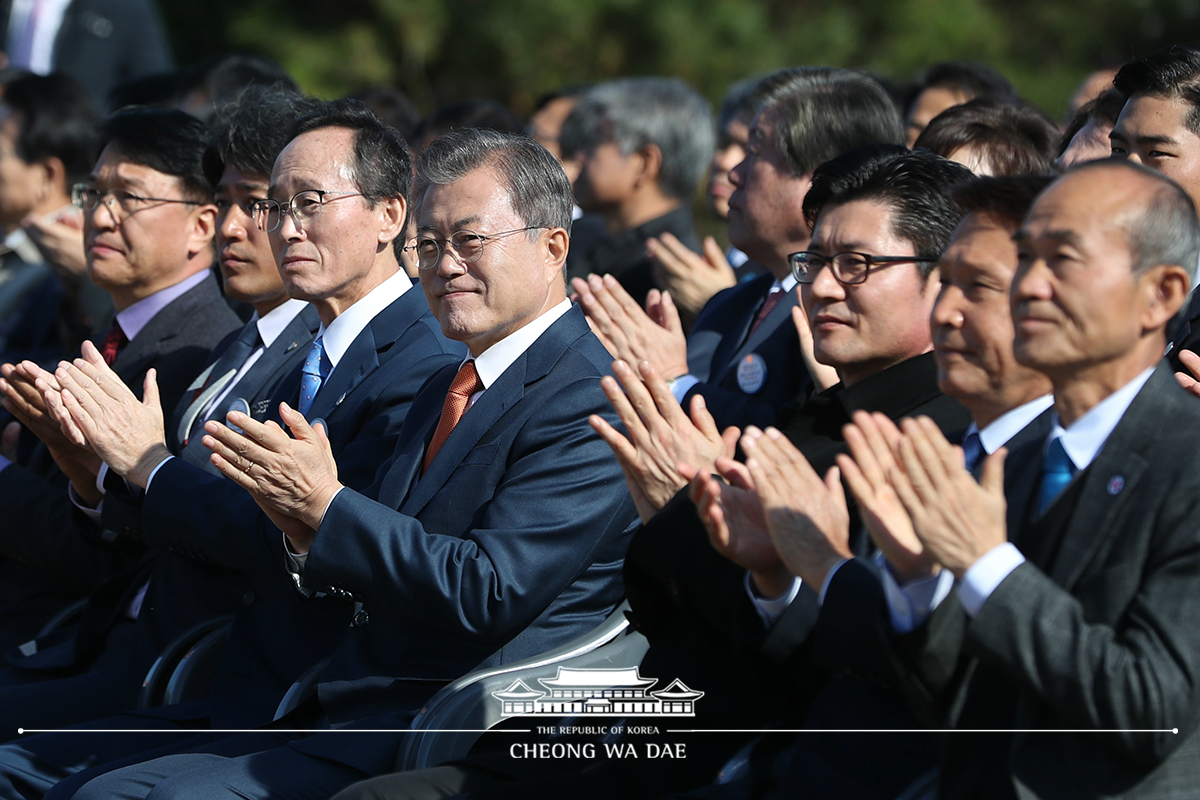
773, 582
140, 473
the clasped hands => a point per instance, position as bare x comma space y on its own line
292, 478
776, 517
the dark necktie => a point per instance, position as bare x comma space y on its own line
113, 341
1057, 472
973, 454
773, 298
465, 384
230, 361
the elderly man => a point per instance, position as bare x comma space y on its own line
1073, 608
473, 507
380, 343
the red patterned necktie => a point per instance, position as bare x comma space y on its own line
114, 340
465, 384
773, 298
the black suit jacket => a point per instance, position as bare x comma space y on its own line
624, 255
720, 341
1098, 630
49, 563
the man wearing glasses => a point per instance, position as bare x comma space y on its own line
153, 258
497, 530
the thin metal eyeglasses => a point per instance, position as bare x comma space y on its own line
467, 246
850, 269
88, 197
304, 207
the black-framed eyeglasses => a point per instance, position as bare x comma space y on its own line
304, 207
88, 197
467, 246
850, 269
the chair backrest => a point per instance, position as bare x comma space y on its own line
193, 676
154, 686
454, 718
65, 617
301, 689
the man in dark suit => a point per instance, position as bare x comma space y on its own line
383, 344
848, 635
491, 555
97, 42
1073, 607
743, 356
153, 257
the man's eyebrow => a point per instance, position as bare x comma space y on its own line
1063, 235
458, 225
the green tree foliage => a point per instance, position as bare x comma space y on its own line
441, 51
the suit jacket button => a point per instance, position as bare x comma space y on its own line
361, 618
248, 599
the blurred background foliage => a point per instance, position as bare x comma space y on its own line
442, 51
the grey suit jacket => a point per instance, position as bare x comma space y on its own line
1104, 633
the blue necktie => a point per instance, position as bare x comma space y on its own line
316, 370
972, 448
1056, 474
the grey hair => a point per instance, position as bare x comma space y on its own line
1163, 231
538, 189
635, 112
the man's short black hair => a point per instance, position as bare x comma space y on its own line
58, 120
479, 113
968, 78
219, 80
1172, 72
394, 108
168, 141
914, 184
1007, 196
249, 133
1009, 138
382, 164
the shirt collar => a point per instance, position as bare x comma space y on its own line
136, 317
351, 322
785, 285
999, 431
492, 363
278, 318
1087, 435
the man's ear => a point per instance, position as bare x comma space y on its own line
393, 211
1164, 291
557, 244
204, 229
652, 159
54, 178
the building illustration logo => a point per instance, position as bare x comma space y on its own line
599, 692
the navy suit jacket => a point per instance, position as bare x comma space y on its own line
197, 522
258, 384
719, 342
510, 545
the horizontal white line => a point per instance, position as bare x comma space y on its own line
924, 730
22, 731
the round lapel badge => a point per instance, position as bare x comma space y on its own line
752, 373
1115, 484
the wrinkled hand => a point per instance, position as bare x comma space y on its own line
60, 242
732, 514
873, 440
1191, 362
25, 400
823, 375
660, 436
807, 517
98, 411
630, 333
956, 519
292, 479
691, 279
